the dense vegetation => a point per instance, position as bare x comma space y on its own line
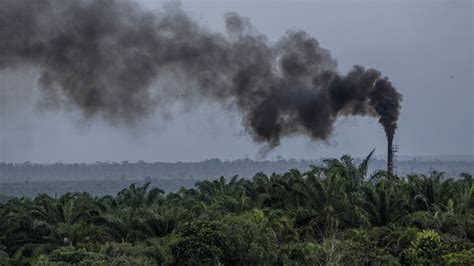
332, 214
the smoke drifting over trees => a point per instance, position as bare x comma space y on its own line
104, 58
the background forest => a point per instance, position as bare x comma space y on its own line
107, 178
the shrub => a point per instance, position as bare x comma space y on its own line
426, 248
248, 239
464, 257
201, 243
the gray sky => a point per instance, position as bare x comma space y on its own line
424, 47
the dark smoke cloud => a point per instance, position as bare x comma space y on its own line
103, 57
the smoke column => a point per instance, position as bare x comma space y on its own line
103, 57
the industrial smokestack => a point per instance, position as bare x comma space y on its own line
390, 156
104, 58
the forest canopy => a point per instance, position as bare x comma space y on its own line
335, 213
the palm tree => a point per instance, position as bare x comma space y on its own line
258, 190
21, 233
464, 197
135, 197
222, 196
383, 203
345, 169
430, 192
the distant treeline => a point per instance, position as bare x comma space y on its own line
212, 168
208, 169
94, 187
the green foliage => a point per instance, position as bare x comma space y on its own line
298, 253
464, 257
426, 248
333, 214
74, 255
249, 239
4, 258
201, 243
129, 254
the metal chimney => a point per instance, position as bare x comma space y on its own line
390, 156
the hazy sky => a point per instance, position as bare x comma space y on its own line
424, 47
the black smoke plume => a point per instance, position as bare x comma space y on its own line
104, 57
